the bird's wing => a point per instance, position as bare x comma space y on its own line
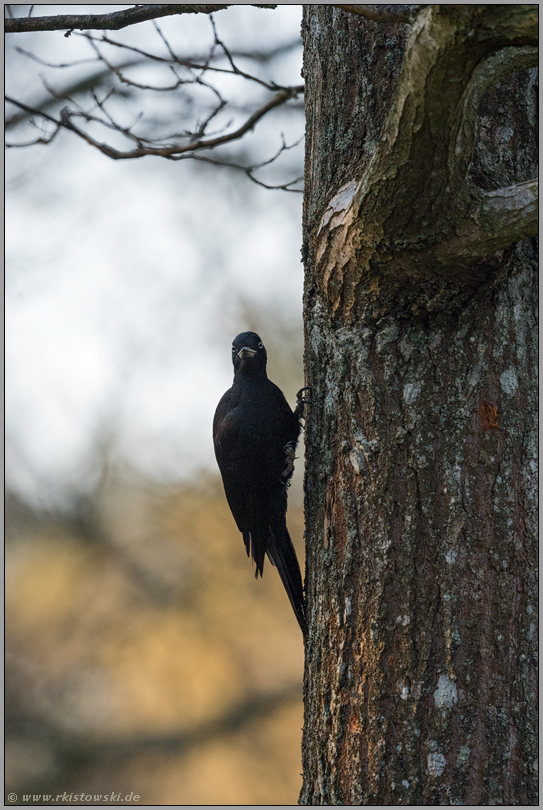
241, 456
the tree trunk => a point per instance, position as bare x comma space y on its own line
421, 334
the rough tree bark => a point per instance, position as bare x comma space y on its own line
421, 333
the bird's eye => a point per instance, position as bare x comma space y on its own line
260, 346
233, 348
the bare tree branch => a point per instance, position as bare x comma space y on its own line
178, 149
500, 218
93, 82
416, 187
103, 76
146, 135
430, 134
32, 111
488, 73
111, 22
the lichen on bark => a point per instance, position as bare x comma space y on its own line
420, 453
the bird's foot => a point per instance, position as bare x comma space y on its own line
290, 455
302, 399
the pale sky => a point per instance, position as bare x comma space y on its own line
124, 281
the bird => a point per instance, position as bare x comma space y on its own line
255, 433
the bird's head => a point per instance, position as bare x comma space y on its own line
248, 353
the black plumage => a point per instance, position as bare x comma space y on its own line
255, 433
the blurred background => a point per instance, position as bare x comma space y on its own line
142, 656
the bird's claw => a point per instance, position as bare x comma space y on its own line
290, 455
302, 399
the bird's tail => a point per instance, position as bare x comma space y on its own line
282, 554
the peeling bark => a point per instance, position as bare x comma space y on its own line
421, 332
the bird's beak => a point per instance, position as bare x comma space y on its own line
246, 352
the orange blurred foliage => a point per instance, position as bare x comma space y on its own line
143, 656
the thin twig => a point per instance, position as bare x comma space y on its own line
37, 59
44, 140
234, 67
124, 80
182, 62
249, 170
